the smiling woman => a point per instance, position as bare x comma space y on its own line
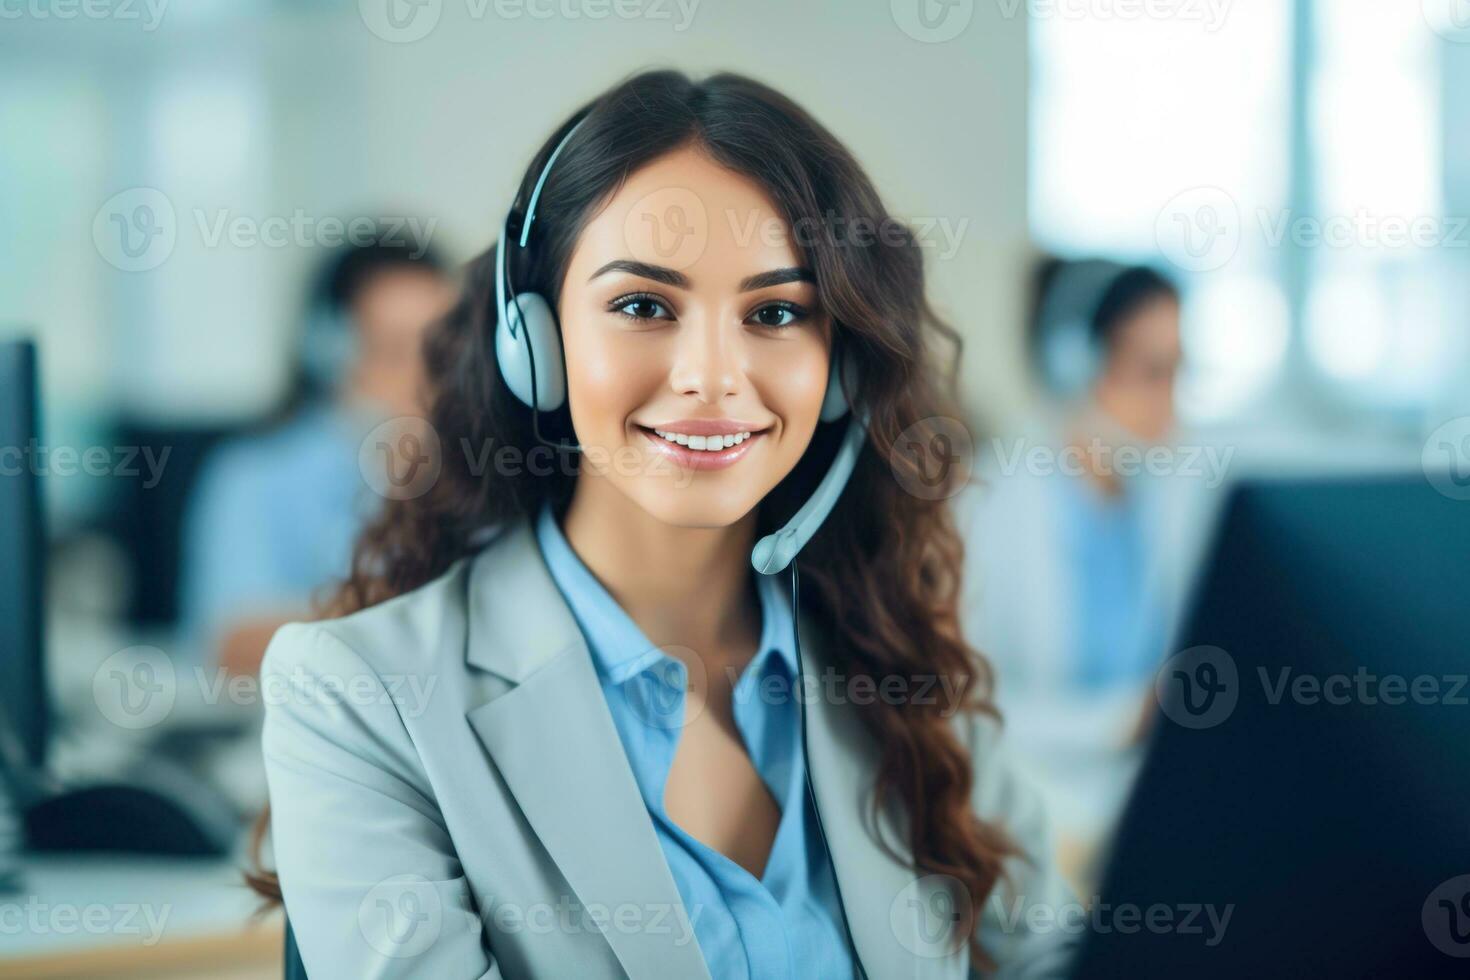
620, 719
733, 340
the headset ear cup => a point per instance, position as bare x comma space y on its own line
834, 403
1070, 358
535, 334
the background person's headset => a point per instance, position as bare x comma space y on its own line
331, 338
529, 352
1071, 352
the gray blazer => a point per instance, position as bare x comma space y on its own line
450, 799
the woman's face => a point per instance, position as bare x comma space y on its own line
688, 323
1136, 387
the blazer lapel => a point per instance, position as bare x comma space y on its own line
895, 913
554, 742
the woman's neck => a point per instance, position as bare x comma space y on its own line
683, 586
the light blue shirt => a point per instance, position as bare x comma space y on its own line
1117, 627
272, 519
787, 923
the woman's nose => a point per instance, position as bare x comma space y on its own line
706, 361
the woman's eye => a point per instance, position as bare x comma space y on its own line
778, 315
641, 308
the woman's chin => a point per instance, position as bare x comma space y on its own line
694, 506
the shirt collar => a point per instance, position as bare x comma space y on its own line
619, 648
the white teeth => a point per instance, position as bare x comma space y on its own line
707, 443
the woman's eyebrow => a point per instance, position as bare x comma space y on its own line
658, 273
677, 279
775, 277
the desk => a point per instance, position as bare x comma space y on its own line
101, 916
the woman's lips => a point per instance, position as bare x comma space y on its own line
700, 459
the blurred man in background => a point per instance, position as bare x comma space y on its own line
1078, 553
275, 513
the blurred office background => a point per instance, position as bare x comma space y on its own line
1296, 167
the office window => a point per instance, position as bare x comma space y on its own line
1133, 119
1375, 318
1309, 129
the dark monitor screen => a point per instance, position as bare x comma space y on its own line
23, 705
1310, 767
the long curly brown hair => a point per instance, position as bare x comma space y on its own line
881, 578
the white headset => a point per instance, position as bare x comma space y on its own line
1071, 356
529, 352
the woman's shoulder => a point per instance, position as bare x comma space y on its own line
422, 629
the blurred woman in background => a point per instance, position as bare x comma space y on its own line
275, 512
1078, 554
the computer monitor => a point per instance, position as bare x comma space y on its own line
23, 701
1308, 774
